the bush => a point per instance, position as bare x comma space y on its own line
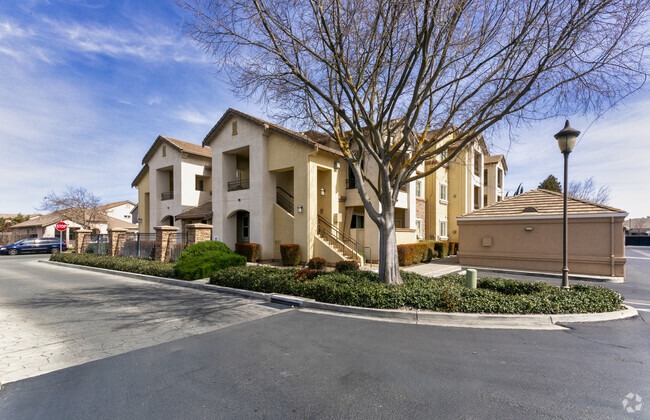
305, 274
252, 252
129, 264
453, 247
408, 254
317, 263
346, 265
442, 248
290, 254
361, 288
431, 250
200, 260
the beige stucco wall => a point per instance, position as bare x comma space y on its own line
144, 210
406, 236
596, 245
283, 223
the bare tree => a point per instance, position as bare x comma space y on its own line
76, 204
586, 190
398, 83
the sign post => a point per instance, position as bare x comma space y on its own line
61, 227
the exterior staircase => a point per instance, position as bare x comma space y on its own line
343, 244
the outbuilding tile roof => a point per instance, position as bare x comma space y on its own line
541, 202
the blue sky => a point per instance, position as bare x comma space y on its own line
86, 86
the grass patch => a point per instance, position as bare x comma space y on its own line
447, 294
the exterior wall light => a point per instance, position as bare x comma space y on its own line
322, 191
337, 164
299, 209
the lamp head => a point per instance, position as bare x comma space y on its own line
566, 139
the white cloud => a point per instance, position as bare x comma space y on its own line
154, 100
193, 116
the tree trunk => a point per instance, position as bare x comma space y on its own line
388, 261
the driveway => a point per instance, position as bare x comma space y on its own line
53, 317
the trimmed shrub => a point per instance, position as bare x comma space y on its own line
408, 254
346, 265
200, 260
442, 248
306, 274
362, 288
252, 252
431, 250
317, 263
453, 247
290, 254
129, 264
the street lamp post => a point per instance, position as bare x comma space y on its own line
566, 139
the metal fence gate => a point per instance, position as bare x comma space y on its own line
139, 245
98, 244
177, 243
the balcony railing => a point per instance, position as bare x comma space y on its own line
240, 184
167, 196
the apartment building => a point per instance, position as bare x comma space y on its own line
266, 184
175, 177
472, 180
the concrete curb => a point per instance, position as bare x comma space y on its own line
416, 316
574, 277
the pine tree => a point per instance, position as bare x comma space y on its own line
551, 183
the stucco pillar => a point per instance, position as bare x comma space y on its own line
83, 239
198, 232
162, 240
116, 237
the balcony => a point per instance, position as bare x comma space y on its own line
167, 196
240, 184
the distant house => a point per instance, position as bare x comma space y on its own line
43, 226
524, 232
637, 226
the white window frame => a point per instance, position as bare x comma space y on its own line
443, 222
446, 189
418, 228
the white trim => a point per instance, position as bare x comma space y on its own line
443, 201
540, 217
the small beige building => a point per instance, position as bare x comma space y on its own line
524, 232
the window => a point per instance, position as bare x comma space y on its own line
164, 150
500, 179
444, 154
484, 200
198, 183
418, 189
357, 221
498, 198
418, 228
234, 128
443, 192
485, 176
443, 229
477, 195
477, 164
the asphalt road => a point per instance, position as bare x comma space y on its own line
53, 317
297, 364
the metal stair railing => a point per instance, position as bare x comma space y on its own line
284, 199
343, 243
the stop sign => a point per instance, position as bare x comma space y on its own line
61, 226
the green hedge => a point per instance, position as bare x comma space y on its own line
361, 288
199, 260
130, 264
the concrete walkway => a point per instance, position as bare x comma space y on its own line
437, 268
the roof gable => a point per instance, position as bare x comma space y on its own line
300, 137
179, 145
